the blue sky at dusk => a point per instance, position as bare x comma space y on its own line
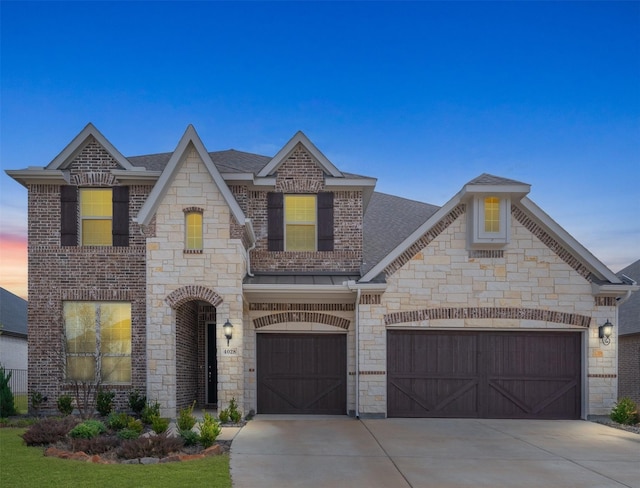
424, 96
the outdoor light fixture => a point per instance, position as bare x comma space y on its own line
228, 330
604, 332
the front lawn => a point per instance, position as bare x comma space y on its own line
24, 466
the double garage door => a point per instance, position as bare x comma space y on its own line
484, 374
302, 373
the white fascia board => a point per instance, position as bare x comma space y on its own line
567, 239
160, 189
331, 182
408, 242
299, 137
37, 176
292, 292
62, 160
237, 176
136, 177
613, 290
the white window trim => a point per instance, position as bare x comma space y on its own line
82, 218
478, 236
300, 222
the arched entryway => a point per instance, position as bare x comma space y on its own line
196, 360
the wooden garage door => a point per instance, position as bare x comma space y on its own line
302, 373
483, 374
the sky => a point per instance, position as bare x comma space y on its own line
423, 96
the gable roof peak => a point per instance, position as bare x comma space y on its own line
489, 179
300, 138
68, 154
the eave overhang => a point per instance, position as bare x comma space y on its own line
39, 176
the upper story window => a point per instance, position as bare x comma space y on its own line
300, 222
300, 216
193, 230
96, 216
489, 221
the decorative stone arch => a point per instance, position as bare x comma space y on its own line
320, 318
192, 292
571, 319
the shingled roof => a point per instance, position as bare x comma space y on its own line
13, 314
629, 313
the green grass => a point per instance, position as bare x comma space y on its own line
20, 402
24, 466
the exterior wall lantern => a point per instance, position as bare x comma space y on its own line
605, 331
228, 330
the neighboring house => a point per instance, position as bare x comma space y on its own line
294, 287
629, 347
13, 339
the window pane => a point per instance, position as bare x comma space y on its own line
96, 233
81, 368
491, 214
116, 369
80, 327
96, 202
115, 328
300, 208
301, 238
194, 230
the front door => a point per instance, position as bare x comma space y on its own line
212, 364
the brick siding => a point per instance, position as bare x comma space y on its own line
629, 367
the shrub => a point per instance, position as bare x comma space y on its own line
137, 402
97, 445
104, 402
7, 406
189, 437
37, 399
209, 430
150, 411
155, 446
186, 420
49, 431
135, 424
230, 414
118, 421
224, 416
128, 433
159, 424
88, 429
625, 412
65, 404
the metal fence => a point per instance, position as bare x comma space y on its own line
18, 381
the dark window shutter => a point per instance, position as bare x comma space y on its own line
68, 215
275, 221
325, 221
121, 216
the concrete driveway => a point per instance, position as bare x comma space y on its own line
286, 451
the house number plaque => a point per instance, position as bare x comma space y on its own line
229, 351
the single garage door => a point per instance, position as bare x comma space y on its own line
532, 375
302, 373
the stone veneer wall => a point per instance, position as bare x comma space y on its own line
175, 278
59, 273
300, 174
440, 286
629, 367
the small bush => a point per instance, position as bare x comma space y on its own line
104, 402
128, 433
625, 412
137, 402
7, 406
189, 437
160, 424
88, 429
135, 424
209, 430
230, 414
118, 421
155, 446
37, 399
149, 412
224, 416
97, 445
49, 431
186, 420
65, 404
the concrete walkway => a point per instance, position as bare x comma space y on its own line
303, 451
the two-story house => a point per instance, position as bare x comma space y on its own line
294, 287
